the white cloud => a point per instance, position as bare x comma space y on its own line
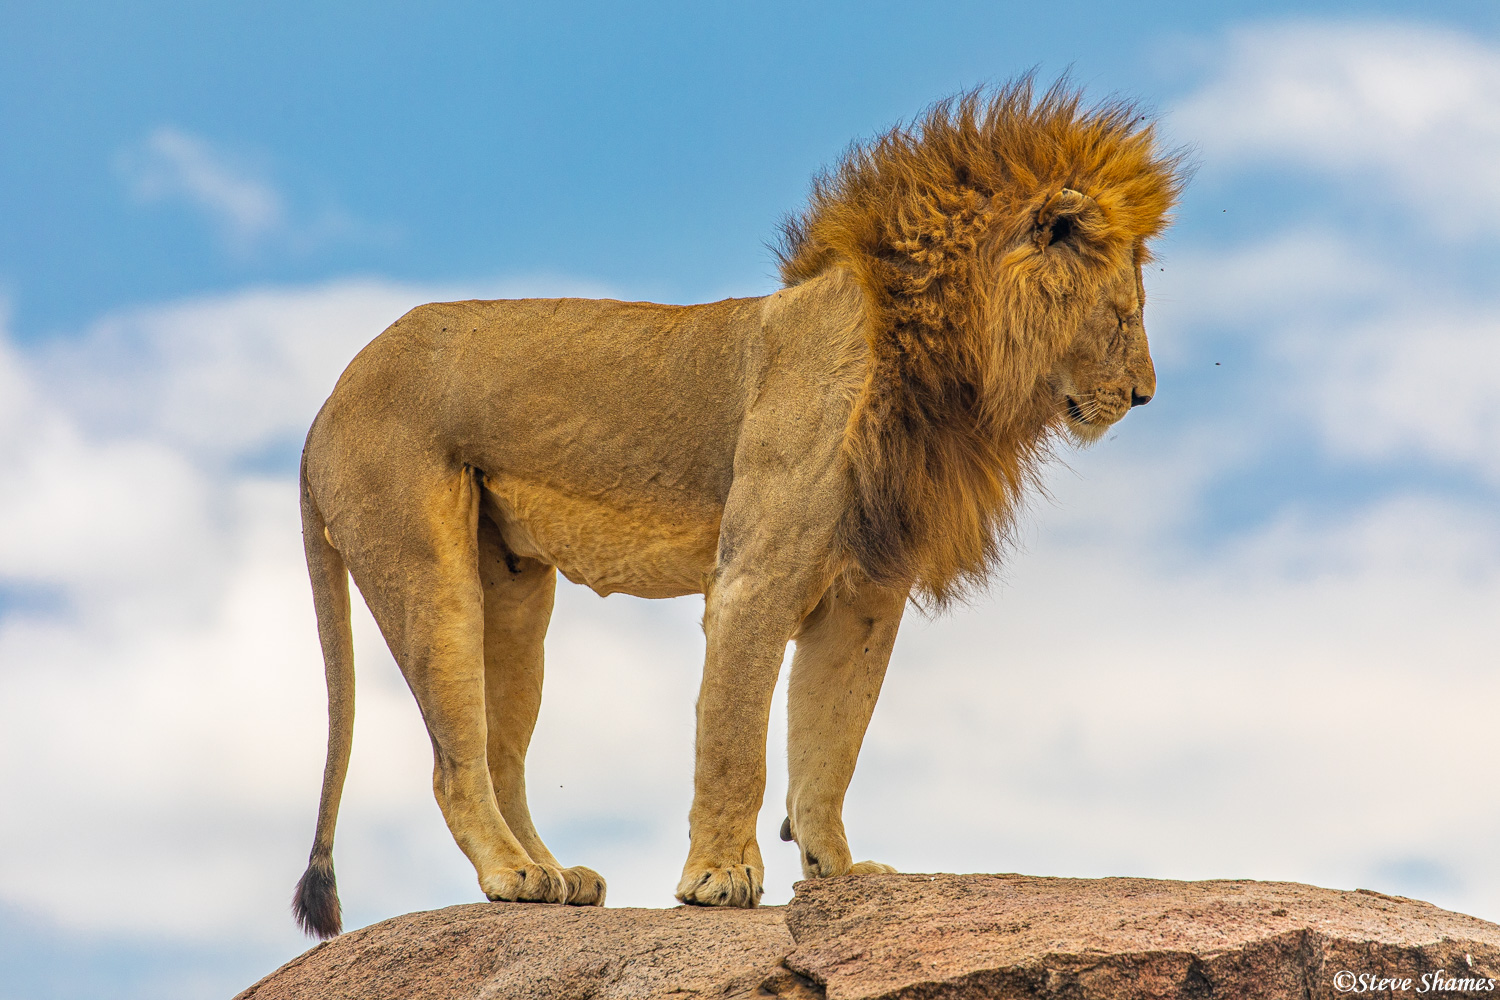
1385, 363
233, 195
221, 377
1412, 107
1282, 279
1418, 384
173, 165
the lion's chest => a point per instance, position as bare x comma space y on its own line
648, 546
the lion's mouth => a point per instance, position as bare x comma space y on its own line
1075, 411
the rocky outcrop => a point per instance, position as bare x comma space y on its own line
922, 936
1012, 936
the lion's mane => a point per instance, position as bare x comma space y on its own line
964, 313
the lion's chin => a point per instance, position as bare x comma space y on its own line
1082, 430
1085, 433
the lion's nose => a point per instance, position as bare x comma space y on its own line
1136, 399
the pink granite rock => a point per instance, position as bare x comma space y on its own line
922, 936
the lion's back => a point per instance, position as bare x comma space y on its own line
573, 410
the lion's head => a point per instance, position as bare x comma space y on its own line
998, 243
1107, 368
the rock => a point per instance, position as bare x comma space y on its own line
921, 936
1014, 936
501, 950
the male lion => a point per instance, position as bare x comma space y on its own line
957, 292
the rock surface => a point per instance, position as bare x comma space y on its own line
922, 936
503, 950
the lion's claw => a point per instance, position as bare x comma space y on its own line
526, 884
585, 886
733, 885
832, 864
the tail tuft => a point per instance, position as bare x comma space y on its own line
316, 901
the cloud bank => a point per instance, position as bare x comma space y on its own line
1413, 108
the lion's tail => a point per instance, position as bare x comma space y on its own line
316, 901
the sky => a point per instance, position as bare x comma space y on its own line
1252, 634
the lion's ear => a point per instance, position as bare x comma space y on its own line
1068, 217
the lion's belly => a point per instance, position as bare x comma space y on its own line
654, 547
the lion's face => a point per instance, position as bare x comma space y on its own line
1108, 369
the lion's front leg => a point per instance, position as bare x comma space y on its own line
842, 652
776, 557
748, 623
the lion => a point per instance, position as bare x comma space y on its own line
959, 293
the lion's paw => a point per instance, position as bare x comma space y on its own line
585, 886
831, 865
526, 884
828, 861
736, 885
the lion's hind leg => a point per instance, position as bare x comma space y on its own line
842, 652
416, 562
518, 595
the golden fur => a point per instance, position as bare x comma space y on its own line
963, 314
957, 291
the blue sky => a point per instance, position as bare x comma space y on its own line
1247, 636
649, 146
